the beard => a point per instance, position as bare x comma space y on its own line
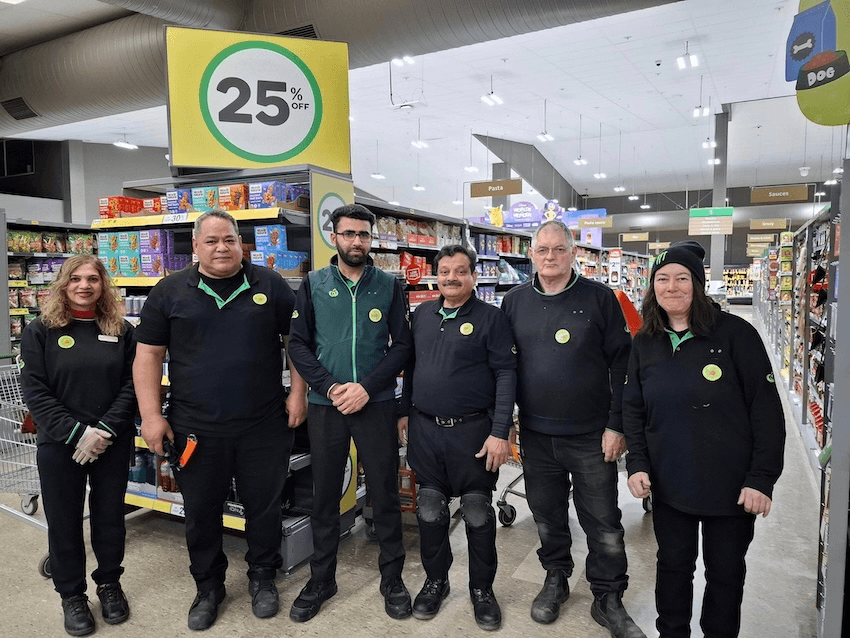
354, 260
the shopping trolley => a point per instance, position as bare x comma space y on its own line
507, 512
18, 469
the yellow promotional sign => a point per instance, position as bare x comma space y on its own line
239, 100
327, 193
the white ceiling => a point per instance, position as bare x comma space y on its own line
619, 72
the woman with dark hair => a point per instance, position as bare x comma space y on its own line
76, 379
705, 430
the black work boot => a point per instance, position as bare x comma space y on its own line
488, 615
430, 597
396, 598
310, 600
265, 601
609, 612
204, 609
113, 603
78, 618
547, 605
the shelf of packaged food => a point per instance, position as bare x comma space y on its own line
489, 257
509, 283
176, 509
136, 281
488, 280
513, 255
431, 279
294, 216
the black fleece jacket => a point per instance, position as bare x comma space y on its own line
703, 417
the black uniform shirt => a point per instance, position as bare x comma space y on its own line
463, 365
225, 354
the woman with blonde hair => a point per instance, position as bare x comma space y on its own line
76, 379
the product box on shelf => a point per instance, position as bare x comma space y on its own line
153, 241
272, 236
152, 265
286, 263
233, 197
418, 296
53, 242
80, 243
179, 201
24, 241
118, 206
129, 265
128, 240
267, 194
204, 198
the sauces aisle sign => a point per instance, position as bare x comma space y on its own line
239, 100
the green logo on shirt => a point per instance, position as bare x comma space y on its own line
375, 315
260, 299
770, 378
295, 314
712, 372
466, 329
66, 341
333, 293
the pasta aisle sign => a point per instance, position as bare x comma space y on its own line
816, 60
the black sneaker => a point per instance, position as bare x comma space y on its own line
204, 609
113, 603
396, 598
547, 605
430, 597
609, 612
265, 601
78, 618
310, 600
488, 615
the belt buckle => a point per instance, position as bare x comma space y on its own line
446, 423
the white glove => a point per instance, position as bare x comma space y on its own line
91, 444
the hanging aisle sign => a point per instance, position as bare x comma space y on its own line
710, 221
239, 100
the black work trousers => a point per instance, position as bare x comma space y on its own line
725, 540
259, 461
376, 437
444, 460
63, 492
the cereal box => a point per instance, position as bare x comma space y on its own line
272, 236
233, 197
128, 240
284, 262
179, 201
129, 265
152, 265
118, 206
267, 194
204, 198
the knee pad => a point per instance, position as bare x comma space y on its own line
476, 509
432, 506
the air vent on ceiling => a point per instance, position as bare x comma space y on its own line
305, 31
18, 109
634, 228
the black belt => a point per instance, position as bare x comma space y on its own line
450, 422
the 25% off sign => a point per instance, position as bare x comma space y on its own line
259, 101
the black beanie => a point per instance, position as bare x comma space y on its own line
688, 253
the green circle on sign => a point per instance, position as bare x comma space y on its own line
712, 372
562, 336
222, 139
323, 219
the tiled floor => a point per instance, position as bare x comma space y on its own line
779, 598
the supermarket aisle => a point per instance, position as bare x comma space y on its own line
779, 598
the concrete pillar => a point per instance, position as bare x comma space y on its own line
718, 196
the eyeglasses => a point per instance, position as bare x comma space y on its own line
350, 235
542, 251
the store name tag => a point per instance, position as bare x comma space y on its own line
107, 338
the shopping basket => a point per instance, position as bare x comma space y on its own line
18, 469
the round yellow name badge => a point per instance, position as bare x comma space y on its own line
260, 299
66, 341
712, 372
466, 329
562, 336
375, 315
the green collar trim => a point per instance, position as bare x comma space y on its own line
676, 340
449, 315
535, 284
221, 303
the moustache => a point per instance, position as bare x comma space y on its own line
452, 283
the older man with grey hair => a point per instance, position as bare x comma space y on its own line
572, 351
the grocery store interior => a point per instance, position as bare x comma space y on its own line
638, 123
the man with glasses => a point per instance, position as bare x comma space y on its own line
350, 337
573, 348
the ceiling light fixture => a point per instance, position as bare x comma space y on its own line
377, 174
419, 142
12, 1
709, 143
579, 161
417, 187
491, 99
405, 59
701, 110
820, 194
123, 143
644, 206
633, 197
619, 188
599, 174
471, 168
830, 182
687, 59
544, 136
714, 161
